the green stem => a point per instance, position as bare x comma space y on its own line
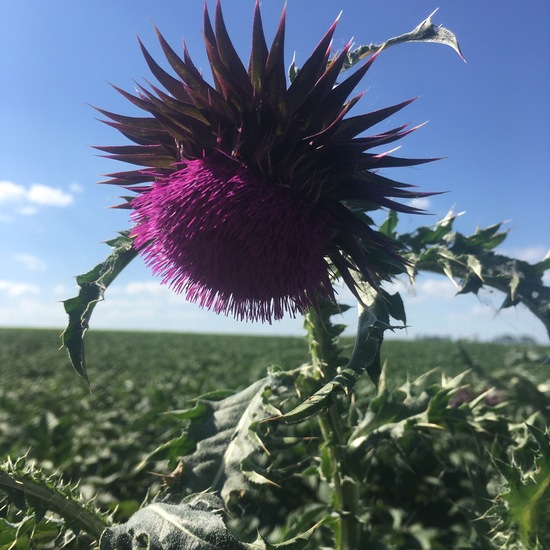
346, 497
325, 355
62, 505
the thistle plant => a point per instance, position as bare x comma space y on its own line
250, 196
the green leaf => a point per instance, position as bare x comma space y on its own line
219, 439
197, 524
389, 224
395, 307
471, 259
471, 283
374, 317
528, 494
487, 238
447, 268
424, 32
292, 70
298, 542
92, 286
474, 265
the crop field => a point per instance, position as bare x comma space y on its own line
100, 436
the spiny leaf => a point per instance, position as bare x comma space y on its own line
389, 224
474, 265
528, 494
471, 259
426, 31
92, 286
375, 310
217, 440
195, 523
29, 486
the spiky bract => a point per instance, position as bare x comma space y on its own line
256, 190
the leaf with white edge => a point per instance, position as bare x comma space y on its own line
428, 32
514, 283
448, 270
195, 524
528, 494
424, 32
474, 265
92, 286
469, 257
221, 437
293, 70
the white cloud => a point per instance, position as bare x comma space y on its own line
153, 288
423, 203
60, 290
43, 194
32, 312
25, 200
76, 188
16, 290
424, 289
146, 290
10, 191
27, 210
531, 254
32, 263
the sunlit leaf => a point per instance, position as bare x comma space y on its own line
472, 260
389, 224
426, 31
92, 286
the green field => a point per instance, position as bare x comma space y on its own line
99, 437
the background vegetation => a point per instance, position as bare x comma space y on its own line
101, 438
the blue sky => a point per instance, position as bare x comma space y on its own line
489, 118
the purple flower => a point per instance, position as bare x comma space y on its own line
252, 193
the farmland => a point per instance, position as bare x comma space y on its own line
100, 436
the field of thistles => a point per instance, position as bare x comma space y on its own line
425, 445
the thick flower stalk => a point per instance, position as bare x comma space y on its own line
251, 193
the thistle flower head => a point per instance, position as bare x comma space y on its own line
250, 193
